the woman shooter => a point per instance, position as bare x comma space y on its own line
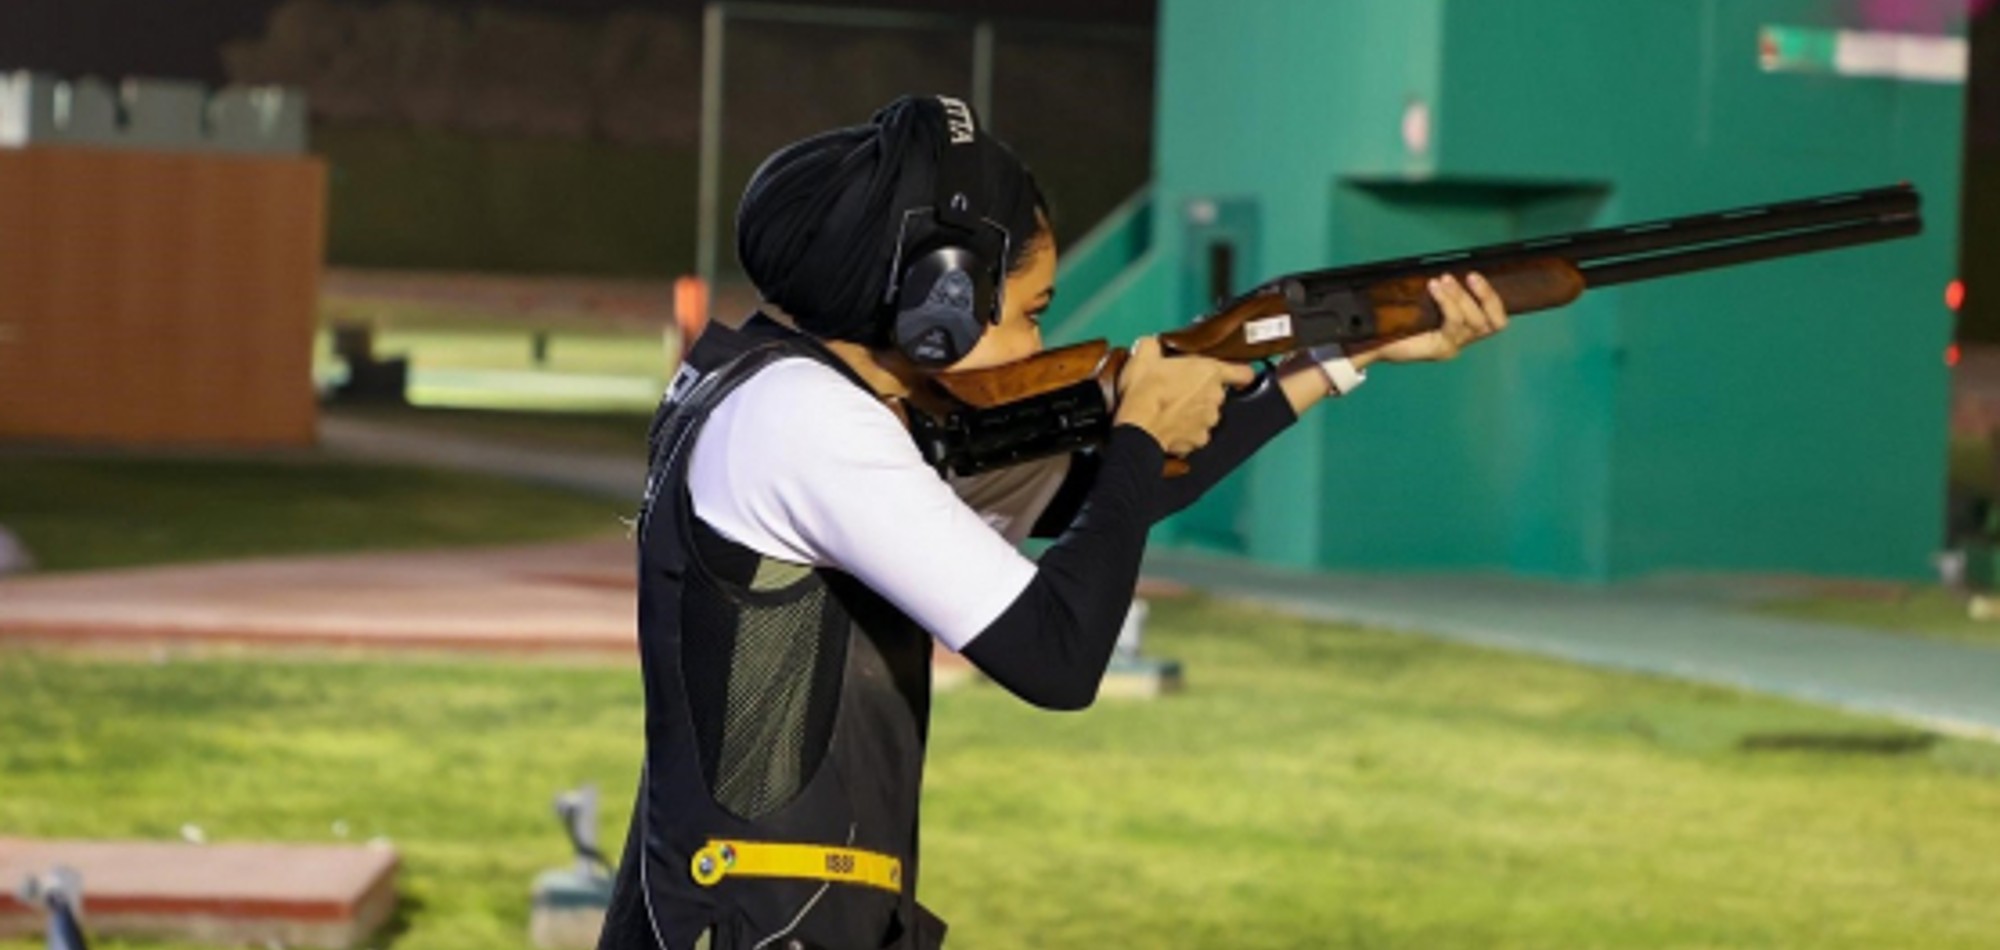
797, 556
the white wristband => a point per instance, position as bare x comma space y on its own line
1341, 376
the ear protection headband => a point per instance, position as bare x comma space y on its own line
947, 277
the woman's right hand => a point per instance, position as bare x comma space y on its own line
1176, 399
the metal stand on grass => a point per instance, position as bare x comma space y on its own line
570, 902
1133, 674
60, 892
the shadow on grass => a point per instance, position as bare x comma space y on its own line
1840, 743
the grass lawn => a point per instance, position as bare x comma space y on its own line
438, 337
476, 377
76, 513
1317, 786
474, 358
570, 352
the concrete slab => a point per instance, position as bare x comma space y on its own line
295, 895
571, 596
574, 597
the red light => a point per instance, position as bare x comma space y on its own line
1951, 355
1954, 295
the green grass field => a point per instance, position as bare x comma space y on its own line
87, 512
497, 397
570, 352
474, 359
1317, 786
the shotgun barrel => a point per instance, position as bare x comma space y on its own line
1892, 205
1388, 299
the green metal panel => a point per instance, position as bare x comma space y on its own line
1092, 268
1788, 416
1464, 466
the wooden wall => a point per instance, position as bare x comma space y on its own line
152, 298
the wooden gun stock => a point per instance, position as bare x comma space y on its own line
1038, 375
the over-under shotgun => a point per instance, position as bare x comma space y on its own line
1061, 400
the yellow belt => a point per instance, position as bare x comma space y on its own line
720, 859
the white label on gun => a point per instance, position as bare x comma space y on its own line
1268, 329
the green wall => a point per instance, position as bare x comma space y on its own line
1787, 416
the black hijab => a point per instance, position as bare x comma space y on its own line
816, 231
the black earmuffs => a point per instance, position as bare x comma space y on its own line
949, 272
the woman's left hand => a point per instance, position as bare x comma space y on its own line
1469, 316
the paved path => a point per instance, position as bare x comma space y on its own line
571, 596
1687, 633
608, 476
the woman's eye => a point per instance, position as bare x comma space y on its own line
1036, 315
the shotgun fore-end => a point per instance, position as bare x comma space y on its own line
1294, 313
1404, 306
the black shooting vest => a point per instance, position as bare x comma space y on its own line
788, 707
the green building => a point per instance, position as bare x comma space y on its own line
1787, 416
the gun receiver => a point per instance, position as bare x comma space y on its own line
1061, 399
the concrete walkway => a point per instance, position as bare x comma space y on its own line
1687, 632
571, 598
566, 597
607, 476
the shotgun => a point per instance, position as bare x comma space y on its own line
1061, 400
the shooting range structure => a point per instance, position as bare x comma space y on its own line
160, 256
1788, 416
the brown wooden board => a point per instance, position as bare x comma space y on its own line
158, 298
